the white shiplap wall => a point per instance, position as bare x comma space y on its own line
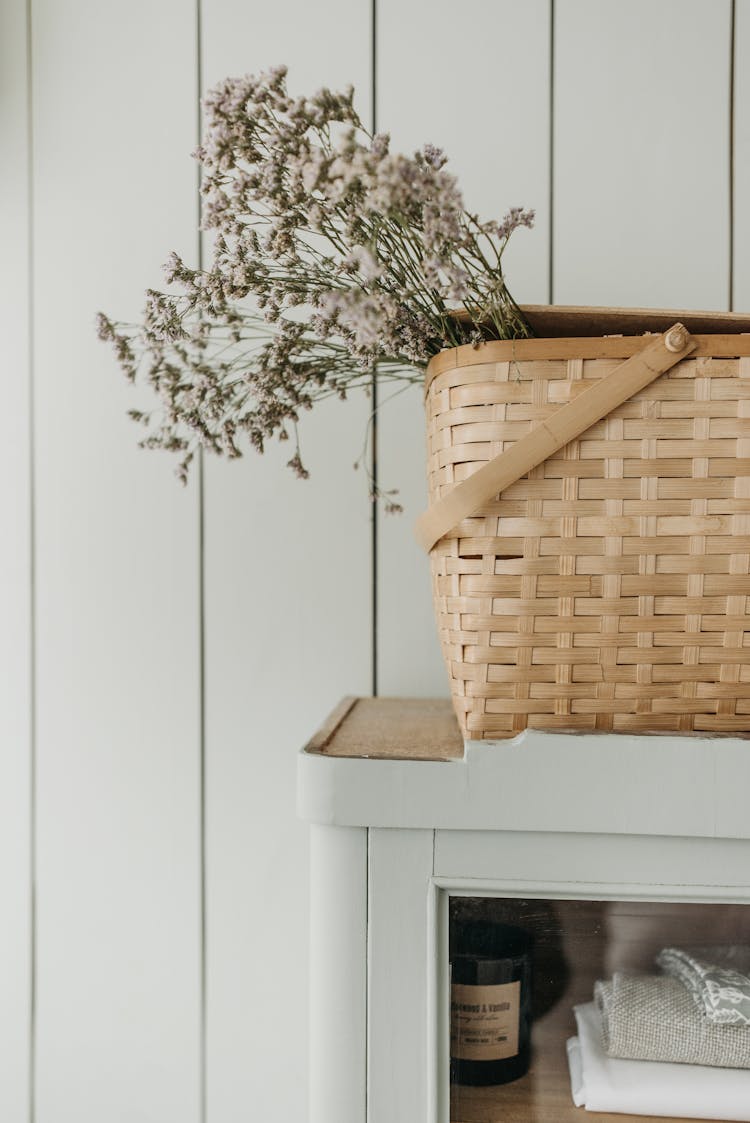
15, 574
117, 593
164, 652
288, 579
741, 128
641, 118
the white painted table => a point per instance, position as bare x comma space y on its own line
591, 817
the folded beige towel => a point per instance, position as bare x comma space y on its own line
654, 1018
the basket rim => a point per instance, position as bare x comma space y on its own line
560, 321
598, 333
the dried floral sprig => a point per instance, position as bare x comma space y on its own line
332, 256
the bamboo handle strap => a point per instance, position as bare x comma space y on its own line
544, 440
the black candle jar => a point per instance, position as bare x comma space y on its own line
490, 1002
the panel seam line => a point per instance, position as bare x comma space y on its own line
32, 667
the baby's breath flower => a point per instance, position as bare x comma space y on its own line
373, 250
298, 467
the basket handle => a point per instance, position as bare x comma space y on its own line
545, 439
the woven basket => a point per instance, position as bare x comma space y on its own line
589, 527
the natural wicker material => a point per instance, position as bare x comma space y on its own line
607, 589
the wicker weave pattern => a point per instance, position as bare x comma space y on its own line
608, 589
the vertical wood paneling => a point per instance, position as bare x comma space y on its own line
118, 1013
641, 153
641, 216
15, 574
287, 634
475, 81
742, 157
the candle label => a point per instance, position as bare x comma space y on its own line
484, 1021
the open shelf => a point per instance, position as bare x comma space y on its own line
576, 943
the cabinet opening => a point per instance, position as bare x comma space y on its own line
509, 1027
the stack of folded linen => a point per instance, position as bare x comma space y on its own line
672, 1044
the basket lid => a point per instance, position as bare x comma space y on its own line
555, 321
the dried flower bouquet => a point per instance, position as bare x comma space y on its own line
332, 257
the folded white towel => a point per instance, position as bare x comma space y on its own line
602, 1083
